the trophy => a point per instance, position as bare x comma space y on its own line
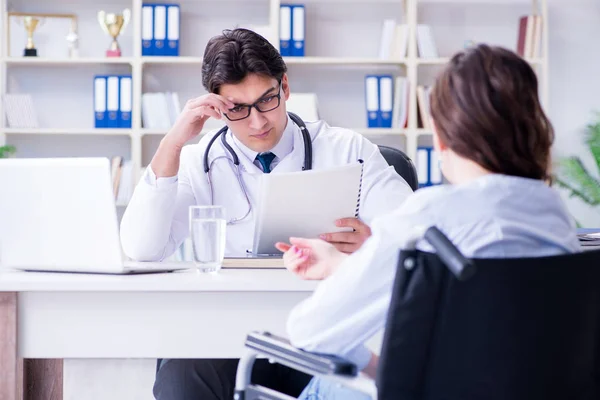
30, 23
73, 40
113, 25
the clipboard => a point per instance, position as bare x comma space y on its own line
305, 204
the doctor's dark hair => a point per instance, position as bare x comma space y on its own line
230, 57
486, 108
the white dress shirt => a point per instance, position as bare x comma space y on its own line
156, 221
495, 216
281, 149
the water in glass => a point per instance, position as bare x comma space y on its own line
207, 229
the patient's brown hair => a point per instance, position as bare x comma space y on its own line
486, 108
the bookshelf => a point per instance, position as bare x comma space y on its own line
338, 56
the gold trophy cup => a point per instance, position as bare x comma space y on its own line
113, 25
30, 23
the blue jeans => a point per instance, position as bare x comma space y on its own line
323, 389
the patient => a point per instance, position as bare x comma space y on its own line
493, 140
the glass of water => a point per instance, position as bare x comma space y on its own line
207, 231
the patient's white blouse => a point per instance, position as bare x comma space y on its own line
492, 216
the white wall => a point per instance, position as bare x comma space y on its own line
575, 84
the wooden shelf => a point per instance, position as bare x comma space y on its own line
156, 132
153, 132
423, 131
380, 131
535, 61
471, 2
67, 61
354, 61
171, 60
367, 131
433, 61
445, 60
66, 131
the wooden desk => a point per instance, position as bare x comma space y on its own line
174, 315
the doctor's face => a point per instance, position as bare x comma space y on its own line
260, 130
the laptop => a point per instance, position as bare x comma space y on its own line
59, 215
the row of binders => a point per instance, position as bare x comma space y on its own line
112, 101
292, 25
160, 29
530, 36
394, 41
428, 167
386, 101
424, 106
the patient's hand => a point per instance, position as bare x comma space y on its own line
349, 242
312, 259
371, 368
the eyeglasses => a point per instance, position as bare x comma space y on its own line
263, 105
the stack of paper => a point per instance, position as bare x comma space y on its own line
394, 40
19, 111
589, 239
160, 110
425, 42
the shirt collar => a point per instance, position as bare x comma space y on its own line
281, 149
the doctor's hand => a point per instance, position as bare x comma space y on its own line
188, 125
310, 259
348, 242
190, 122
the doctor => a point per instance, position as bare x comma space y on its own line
247, 86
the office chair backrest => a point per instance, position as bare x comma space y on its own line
402, 164
516, 329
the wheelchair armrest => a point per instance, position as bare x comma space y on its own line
280, 350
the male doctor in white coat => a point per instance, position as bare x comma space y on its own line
247, 85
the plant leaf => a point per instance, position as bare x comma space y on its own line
580, 182
592, 139
7, 150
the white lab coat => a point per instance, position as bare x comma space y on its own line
156, 221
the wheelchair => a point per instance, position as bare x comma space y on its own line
459, 328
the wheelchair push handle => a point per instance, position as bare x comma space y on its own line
459, 265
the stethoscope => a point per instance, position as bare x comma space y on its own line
307, 165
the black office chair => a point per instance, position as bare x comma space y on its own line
402, 164
526, 328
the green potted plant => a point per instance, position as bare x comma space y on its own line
7, 151
573, 176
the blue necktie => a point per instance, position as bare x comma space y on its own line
265, 159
